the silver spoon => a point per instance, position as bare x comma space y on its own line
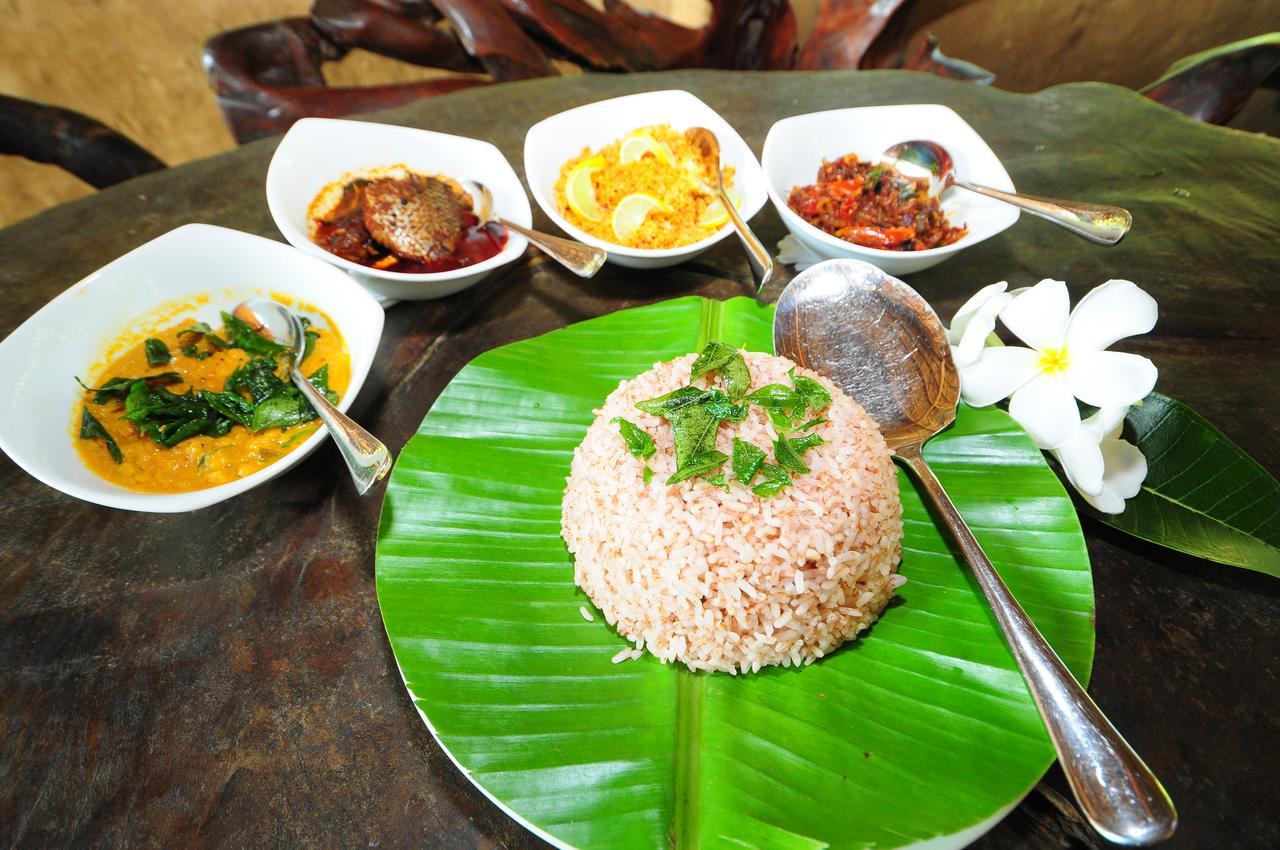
582, 260
882, 344
757, 257
923, 160
366, 457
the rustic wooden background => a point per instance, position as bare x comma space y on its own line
135, 64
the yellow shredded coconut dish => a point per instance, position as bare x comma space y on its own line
650, 189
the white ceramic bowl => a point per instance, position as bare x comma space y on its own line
796, 147
553, 141
68, 336
319, 151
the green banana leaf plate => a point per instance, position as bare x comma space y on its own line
921, 734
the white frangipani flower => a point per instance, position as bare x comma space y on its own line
1067, 358
975, 321
1105, 469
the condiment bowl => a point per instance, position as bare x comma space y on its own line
795, 148
195, 271
319, 151
554, 141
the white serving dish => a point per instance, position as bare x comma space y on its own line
319, 151
553, 141
795, 148
69, 336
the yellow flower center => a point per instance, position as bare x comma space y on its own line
1054, 361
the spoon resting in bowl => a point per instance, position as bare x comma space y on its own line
921, 160
582, 260
881, 343
366, 457
757, 257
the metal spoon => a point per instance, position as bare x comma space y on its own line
366, 457
757, 257
882, 344
582, 260
922, 160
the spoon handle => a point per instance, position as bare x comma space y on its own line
366, 456
582, 260
1099, 223
1118, 793
757, 257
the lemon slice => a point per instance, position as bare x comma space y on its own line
635, 146
579, 191
715, 214
631, 213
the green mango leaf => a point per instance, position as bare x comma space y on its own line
921, 728
1203, 495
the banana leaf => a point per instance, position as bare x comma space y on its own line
921, 729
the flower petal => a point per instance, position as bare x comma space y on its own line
1111, 312
1081, 460
1106, 423
967, 311
1107, 501
1110, 378
1044, 406
1126, 468
996, 373
978, 328
1039, 315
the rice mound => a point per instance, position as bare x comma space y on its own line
732, 581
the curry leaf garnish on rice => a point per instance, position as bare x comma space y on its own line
700, 464
638, 441
737, 378
91, 428
695, 415
747, 459
815, 396
787, 456
722, 407
775, 478
665, 405
713, 358
694, 429
790, 453
718, 357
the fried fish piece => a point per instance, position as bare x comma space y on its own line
418, 217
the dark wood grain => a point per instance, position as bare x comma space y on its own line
222, 679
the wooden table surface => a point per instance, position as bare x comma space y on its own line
222, 679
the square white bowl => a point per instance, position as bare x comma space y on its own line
319, 151
553, 141
68, 336
795, 148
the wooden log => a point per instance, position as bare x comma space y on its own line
84, 146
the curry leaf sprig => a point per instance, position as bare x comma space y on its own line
695, 415
253, 396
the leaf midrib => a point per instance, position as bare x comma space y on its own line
690, 686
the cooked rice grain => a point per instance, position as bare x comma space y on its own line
731, 581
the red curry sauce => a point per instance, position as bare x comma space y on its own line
873, 206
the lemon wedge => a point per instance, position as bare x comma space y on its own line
631, 213
635, 146
579, 191
715, 214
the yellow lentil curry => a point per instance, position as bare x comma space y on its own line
651, 189
203, 406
